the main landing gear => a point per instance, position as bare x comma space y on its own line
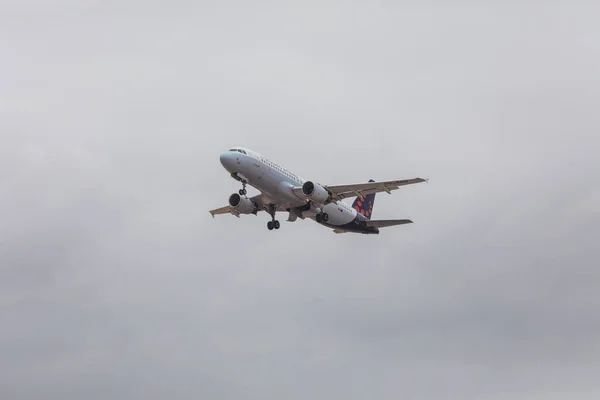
273, 224
322, 217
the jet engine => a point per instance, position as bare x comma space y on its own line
315, 192
243, 205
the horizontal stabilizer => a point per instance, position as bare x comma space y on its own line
382, 223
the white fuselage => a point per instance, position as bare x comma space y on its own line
276, 184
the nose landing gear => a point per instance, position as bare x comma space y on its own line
243, 190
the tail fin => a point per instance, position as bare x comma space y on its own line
365, 207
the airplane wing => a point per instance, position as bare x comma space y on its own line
383, 223
340, 192
261, 201
224, 210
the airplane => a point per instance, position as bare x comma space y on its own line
284, 191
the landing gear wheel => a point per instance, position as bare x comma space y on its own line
322, 217
243, 191
270, 225
276, 224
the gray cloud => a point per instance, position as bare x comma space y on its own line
115, 282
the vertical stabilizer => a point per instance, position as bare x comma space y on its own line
365, 207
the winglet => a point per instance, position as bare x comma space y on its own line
213, 214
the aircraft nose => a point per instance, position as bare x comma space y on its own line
227, 160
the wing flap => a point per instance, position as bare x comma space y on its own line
383, 223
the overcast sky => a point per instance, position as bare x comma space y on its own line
115, 282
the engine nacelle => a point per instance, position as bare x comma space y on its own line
315, 192
243, 205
